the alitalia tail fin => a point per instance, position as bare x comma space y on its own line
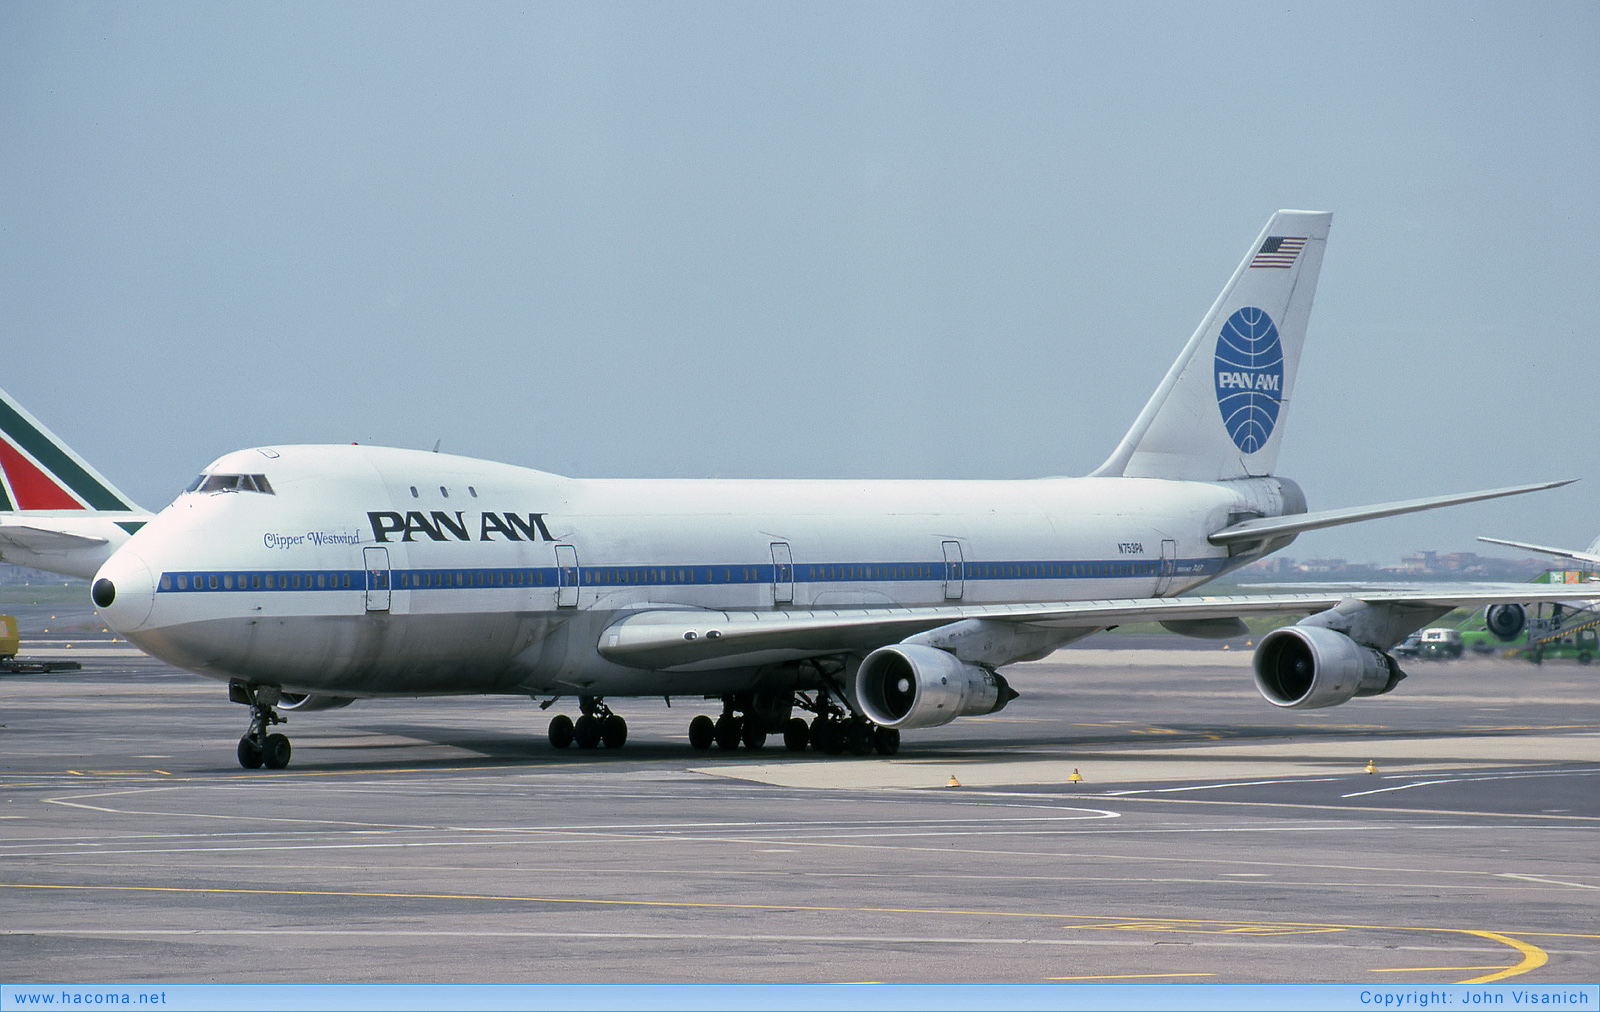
38, 472
1219, 412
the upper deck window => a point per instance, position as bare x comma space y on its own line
231, 483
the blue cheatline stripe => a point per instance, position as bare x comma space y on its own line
291, 580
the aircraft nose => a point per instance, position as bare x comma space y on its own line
124, 591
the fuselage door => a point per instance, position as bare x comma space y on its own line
566, 576
377, 563
782, 573
954, 582
1168, 566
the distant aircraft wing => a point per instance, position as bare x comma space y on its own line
1561, 553
1298, 523
692, 640
33, 538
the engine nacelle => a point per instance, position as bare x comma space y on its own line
1303, 667
909, 685
301, 702
1505, 621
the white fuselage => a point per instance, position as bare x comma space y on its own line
369, 571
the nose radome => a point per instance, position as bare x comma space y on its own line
124, 591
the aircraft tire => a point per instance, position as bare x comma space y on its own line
586, 732
796, 734
817, 732
827, 736
886, 740
753, 735
702, 732
614, 731
249, 755
276, 754
729, 730
858, 737
560, 731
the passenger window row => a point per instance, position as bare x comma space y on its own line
590, 576
340, 580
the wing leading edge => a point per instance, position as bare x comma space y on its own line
688, 640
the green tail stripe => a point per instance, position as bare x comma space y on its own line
5, 501
131, 526
60, 466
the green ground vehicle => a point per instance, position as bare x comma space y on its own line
1551, 632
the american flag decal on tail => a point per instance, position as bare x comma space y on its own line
1278, 251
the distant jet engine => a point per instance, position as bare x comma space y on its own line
909, 685
1303, 667
1506, 621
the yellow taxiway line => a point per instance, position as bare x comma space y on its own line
1533, 957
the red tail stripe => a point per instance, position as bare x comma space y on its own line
33, 488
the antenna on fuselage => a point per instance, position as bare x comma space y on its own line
436, 443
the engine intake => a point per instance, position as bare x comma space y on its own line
1505, 621
909, 685
1303, 667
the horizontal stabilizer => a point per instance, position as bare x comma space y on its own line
1274, 527
1591, 556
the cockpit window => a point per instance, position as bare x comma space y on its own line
231, 483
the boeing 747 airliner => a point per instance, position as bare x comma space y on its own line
306, 577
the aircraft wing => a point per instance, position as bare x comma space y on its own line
1564, 553
691, 640
31, 538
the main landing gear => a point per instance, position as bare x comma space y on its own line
597, 726
728, 731
258, 748
833, 731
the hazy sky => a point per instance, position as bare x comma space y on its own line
809, 240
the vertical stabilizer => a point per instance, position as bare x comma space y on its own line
40, 472
1219, 412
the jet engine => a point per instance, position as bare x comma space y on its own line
1302, 667
302, 702
909, 685
1505, 621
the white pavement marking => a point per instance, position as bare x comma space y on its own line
1547, 881
1209, 762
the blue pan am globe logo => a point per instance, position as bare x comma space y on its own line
1249, 377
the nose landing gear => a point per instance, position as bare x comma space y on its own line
258, 748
